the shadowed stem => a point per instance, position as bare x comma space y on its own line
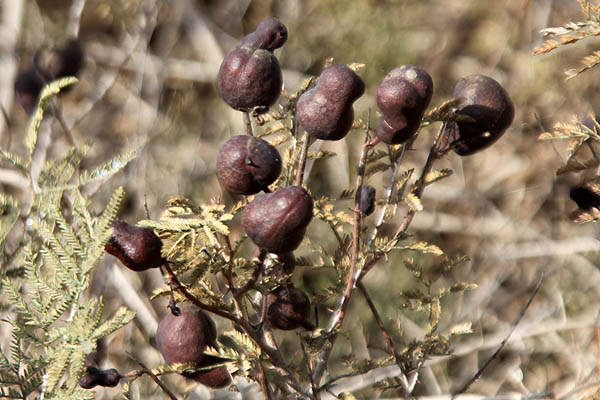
302, 159
247, 124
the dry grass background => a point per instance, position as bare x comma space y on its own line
150, 78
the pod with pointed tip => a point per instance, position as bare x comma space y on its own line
325, 111
403, 97
270, 34
137, 248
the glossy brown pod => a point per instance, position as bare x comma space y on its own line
270, 34
488, 104
325, 111
183, 338
250, 79
216, 377
288, 308
403, 97
60, 61
246, 165
137, 248
277, 221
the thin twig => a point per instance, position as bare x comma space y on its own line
176, 284
302, 159
258, 270
260, 375
309, 370
147, 371
499, 349
353, 270
247, 124
434, 155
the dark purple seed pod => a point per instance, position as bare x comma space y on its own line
270, 34
246, 165
325, 111
97, 377
277, 221
585, 196
403, 97
183, 338
137, 248
487, 103
217, 377
366, 199
60, 61
28, 85
288, 308
250, 79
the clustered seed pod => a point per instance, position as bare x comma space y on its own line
366, 199
288, 308
277, 221
487, 103
403, 97
96, 377
325, 111
48, 64
247, 165
183, 338
137, 248
249, 78
585, 196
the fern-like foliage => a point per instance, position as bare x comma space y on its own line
53, 326
573, 32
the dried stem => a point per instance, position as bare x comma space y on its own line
353, 271
434, 154
247, 124
499, 349
152, 376
302, 159
260, 375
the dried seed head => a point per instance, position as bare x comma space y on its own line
325, 111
